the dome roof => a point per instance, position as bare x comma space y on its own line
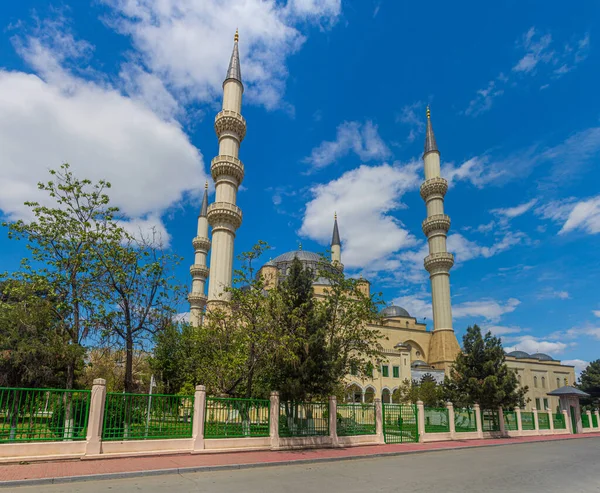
300, 254
518, 354
418, 363
394, 311
542, 357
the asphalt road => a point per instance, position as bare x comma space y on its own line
566, 466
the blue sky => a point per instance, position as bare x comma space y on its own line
335, 103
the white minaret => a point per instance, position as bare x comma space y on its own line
336, 245
443, 346
199, 270
228, 172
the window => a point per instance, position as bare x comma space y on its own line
558, 382
543, 382
537, 403
386, 397
353, 370
369, 370
566, 381
535, 381
404, 361
385, 370
546, 407
396, 371
519, 379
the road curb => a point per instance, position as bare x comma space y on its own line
231, 467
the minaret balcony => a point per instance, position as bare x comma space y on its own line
227, 166
224, 215
230, 123
197, 300
437, 222
199, 271
201, 244
434, 187
439, 262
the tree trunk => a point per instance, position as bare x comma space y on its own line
129, 385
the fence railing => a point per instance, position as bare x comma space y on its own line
543, 421
510, 421
595, 421
236, 418
437, 420
36, 415
301, 419
527, 421
465, 420
355, 419
490, 420
559, 421
585, 420
147, 417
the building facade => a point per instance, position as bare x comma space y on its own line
410, 351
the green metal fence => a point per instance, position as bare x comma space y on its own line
527, 421
465, 420
234, 418
543, 421
594, 420
437, 420
585, 420
490, 420
35, 415
355, 419
146, 417
559, 421
303, 419
510, 421
400, 423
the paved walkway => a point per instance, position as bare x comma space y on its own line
59, 471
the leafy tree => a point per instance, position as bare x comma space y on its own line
589, 382
426, 390
480, 375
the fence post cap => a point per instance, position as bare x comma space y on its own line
476, 405
533, 409
99, 381
449, 404
419, 403
332, 398
200, 388
274, 393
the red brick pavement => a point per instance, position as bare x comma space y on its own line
139, 465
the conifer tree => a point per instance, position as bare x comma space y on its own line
589, 382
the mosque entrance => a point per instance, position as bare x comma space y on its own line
400, 423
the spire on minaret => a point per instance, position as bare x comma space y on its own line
335, 239
430, 144
234, 70
204, 208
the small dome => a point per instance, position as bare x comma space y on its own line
419, 363
300, 254
518, 354
394, 311
542, 357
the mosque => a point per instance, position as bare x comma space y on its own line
410, 350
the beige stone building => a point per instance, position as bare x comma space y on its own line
410, 350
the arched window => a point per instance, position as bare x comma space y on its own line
543, 382
566, 381
354, 393
535, 381
519, 379
369, 395
386, 397
557, 382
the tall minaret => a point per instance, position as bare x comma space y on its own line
199, 271
336, 245
228, 172
443, 346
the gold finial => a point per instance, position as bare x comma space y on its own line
206, 185
236, 38
299, 245
428, 113
335, 216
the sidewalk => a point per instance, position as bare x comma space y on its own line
81, 470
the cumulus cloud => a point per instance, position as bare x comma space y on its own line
489, 309
579, 365
364, 199
362, 139
531, 344
418, 305
596, 312
187, 43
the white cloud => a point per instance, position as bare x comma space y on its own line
531, 344
364, 199
537, 50
550, 294
500, 330
584, 216
488, 309
362, 139
187, 43
512, 212
408, 115
596, 312
464, 249
477, 170
484, 99
418, 305
579, 365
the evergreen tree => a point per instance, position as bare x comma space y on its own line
480, 375
589, 382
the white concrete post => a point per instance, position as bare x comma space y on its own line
450, 408
274, 420
589, 415
536, 422
93, 439
478, 420
333, 420
568, 426
519, 421
421, 418
199, 418
551, 421
379, 421
502, 423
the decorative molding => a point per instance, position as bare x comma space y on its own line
230, 123
201, 244
436, 263
199, 271
436, 222
436, 186
197, 300
228, 166
224, 214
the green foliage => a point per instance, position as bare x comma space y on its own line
427, 390
480, 375
589, 382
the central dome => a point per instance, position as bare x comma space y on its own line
394, 311
309, 260
301, 255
